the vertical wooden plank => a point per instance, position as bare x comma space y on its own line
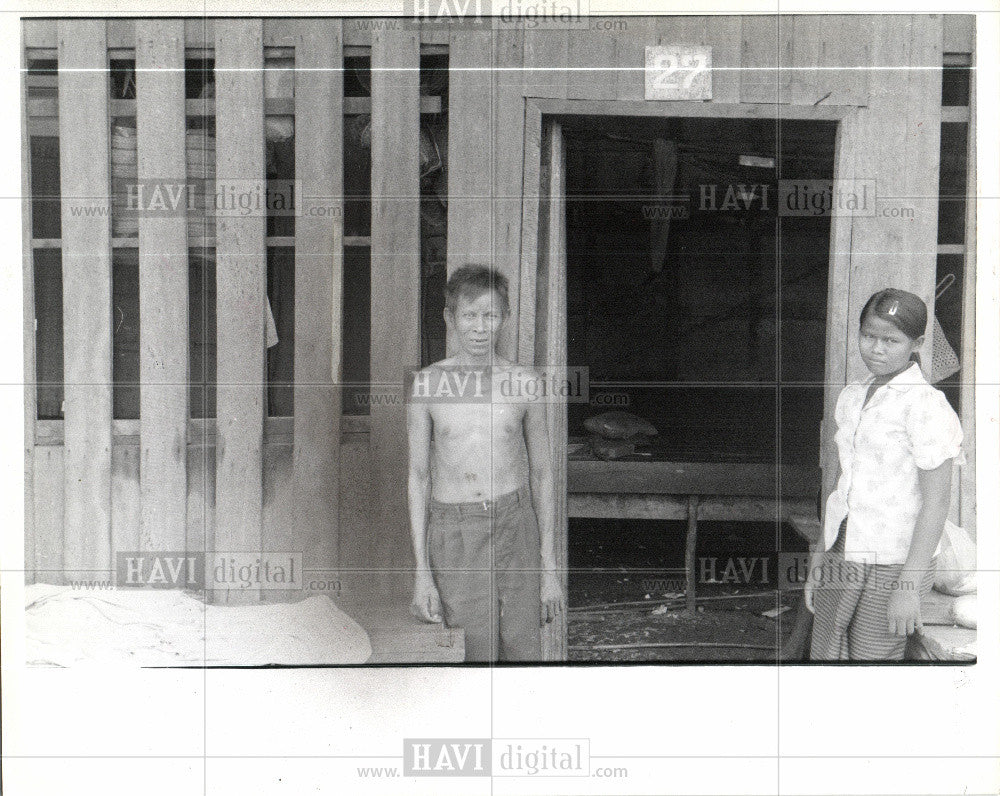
163, 285
724, 34
591, 61
509, 129
630, 58
898, 139
546, 57
530, 222
967, 479
680, 29
279, 519
830, 58
199, 32
318, 288
552, 353
39, 33
200, 496
690, 553
395, 283
877, 246
239, 108
921, 187
28, 329
355, 518
959, 33
766, 56
470, 147
838, 294
126, 500
83, 159
47, 509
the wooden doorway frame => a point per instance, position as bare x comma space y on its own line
543, 219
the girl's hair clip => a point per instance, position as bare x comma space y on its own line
893, 308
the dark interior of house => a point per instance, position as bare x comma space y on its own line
693, 303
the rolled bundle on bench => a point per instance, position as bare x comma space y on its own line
619, 425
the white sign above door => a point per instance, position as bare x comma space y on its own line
679, 72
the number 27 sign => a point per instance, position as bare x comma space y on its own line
679, 72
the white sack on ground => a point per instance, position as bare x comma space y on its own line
955, 562
68, 627
963, 611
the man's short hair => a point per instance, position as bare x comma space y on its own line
471, 281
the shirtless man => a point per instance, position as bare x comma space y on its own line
480, 484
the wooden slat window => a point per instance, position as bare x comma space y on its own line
49, 332
279, 136
953, 210
434, 177
46, 228
357, 179
199, 94
281, 355
202, 327
125, 332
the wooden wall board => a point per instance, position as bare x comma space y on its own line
86, 246
40, 33
48, 513
318, 288
280, 529
546, 61
28, 334
725, 35
395, 281
830, 58
163, 285
630, 57
533, 226
903, 128
838, 320
200, 521
967, 356
508, 173
550, 350
240, 268
592, 72
355, 516
121, 33
766, 56
959, 34
126, 503
471, 104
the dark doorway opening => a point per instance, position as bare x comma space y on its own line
694, 303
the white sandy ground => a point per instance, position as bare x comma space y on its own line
67, 627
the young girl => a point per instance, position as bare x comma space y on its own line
897, 438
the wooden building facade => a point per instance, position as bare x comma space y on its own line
302, 470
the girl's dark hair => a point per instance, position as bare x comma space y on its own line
472, 281
904, 310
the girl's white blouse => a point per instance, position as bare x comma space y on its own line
907, 425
